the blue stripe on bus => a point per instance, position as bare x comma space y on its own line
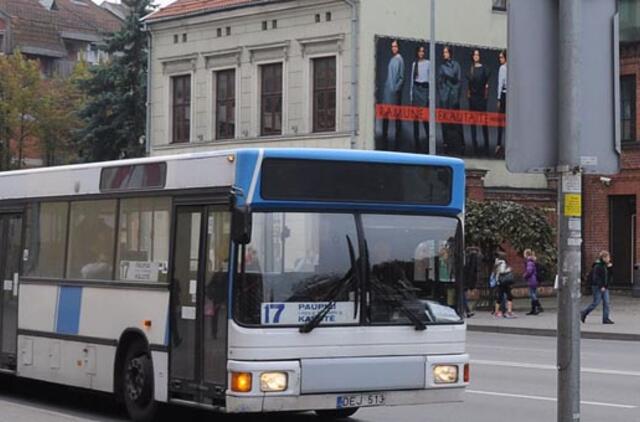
245, 168
69, 303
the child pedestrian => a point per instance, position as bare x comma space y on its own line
531, 276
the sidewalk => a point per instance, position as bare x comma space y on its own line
625, 311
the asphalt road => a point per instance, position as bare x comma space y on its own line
513, 378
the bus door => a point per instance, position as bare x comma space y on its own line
10, 254
199, 306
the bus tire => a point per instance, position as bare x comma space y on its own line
336, 414
138, 384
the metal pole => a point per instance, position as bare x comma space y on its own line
432, 81
569, 211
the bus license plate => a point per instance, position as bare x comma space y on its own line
360, 400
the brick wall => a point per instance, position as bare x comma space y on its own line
630, 65
596, 193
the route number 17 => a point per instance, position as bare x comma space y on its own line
273, 310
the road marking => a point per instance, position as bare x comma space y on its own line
552, 399
554, 368
46, 412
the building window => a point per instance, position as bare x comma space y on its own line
228, 29
181, 108
184, 37
175, 39
328, 16
264, 25
226, 104
324, 94
219, 32
317, 17
628, 107
271, 99
274, 24
500, 5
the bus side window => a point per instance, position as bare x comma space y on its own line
91, 240
143, 239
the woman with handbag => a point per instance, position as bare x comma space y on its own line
504, 277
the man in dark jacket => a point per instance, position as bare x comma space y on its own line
473, 259
601, 275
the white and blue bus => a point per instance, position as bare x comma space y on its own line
244, 281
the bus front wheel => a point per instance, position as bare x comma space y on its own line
336, 414
137, 383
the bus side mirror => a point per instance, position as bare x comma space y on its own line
241, 225
240, 218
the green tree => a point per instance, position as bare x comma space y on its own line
489, 225
20, 90
57, 116
115, 112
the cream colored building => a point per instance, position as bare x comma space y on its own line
217, 47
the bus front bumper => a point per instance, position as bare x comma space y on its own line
340, 383
237, 404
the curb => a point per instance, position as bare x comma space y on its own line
544, 332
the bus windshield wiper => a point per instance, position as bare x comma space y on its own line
382, 289
340, 287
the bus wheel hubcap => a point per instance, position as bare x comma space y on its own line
135, 379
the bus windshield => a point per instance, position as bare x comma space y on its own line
300, 264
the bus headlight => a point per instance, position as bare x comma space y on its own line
445, 374
273, 382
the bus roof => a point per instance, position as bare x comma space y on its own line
239, 167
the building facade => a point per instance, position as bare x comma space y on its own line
301, 73
57, 33
611, 202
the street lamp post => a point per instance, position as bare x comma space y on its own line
432, 81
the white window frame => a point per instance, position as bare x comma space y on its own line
213, 111
308, 76
169, 93
257, 97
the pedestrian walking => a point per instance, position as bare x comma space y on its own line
531, 277
600, 276
473, 258
504, 277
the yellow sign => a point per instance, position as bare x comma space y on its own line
572, 205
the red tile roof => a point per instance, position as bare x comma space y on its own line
181, 8
33, 26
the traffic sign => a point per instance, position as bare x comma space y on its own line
532, 87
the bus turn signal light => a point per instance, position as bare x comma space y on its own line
467, 375
241, 382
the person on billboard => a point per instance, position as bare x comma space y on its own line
393, 92
477, 93
502, 97
449, 88
419, 95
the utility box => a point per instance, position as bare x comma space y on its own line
635, 287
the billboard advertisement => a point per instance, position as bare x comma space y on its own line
470, 97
